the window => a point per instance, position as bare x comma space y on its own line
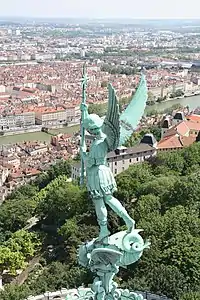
123, 161
123, 168
130, 160
123, 156
115, 171
137, 158
115, 163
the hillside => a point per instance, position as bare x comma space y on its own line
163, 196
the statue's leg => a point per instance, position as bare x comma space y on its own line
117, 207
101, 212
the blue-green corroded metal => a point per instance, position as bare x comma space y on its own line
100, 180
104, 257
130, 117
84, 96
105, 254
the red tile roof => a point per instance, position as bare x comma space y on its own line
194, 117
181, 129
193, 125
187, 140
170, 142
175, 142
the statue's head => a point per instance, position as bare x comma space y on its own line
93, 124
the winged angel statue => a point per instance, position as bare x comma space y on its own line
109, 134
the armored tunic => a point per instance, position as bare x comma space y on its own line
100, 180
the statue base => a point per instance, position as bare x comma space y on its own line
104, 257
87, 294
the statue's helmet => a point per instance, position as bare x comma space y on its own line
92, 121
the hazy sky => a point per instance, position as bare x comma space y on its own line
102, 8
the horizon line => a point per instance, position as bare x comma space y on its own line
103, 18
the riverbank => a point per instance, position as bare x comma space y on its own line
175, 98
36, 136
193, 102
38, 128
21, 131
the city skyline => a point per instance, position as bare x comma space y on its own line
154, 9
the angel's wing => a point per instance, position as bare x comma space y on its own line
130, 118
111, 125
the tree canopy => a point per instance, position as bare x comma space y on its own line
162, 195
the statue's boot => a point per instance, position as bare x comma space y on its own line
102, 220
120, 211
104, 232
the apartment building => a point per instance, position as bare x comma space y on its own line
73, 114
25, 119
17, 120
76, 171
77, 114
122, 158
50, 116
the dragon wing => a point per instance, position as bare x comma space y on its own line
131, 116
111, 125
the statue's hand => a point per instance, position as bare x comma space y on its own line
83, 107
83, 149
83, 153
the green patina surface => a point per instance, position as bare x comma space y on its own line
106, 253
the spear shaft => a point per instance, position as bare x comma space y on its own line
84, 96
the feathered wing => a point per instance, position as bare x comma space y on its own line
111, 125
131, 116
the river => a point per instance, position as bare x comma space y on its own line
36, 136
193, 102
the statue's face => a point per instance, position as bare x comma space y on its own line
94, 131
93, 124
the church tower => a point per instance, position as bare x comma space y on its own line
165, 126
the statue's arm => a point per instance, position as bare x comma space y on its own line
84, 110
83, 151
